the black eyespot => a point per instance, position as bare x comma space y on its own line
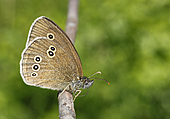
34, 74
35, 67
50, 53
50, 36
37, 59
52, 48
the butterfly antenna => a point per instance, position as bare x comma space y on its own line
98, 78
95, 74
103, 80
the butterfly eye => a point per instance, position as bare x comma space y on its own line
34, 74
50, 53
36, 67
52, 48
50, 36
37, 59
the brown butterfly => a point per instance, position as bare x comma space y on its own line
50, 60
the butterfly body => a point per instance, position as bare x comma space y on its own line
50, 59
84, 83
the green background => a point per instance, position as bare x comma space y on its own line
127, 40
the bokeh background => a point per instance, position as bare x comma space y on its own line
127, 40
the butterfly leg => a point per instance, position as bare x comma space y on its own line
63, 91
79, 91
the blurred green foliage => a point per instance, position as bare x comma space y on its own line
127, 40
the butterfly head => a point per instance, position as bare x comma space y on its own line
87, 82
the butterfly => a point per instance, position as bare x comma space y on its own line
50, 60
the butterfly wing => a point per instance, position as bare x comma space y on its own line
46, 64
44, 26
49, 59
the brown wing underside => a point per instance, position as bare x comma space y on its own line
42, 26
53, 73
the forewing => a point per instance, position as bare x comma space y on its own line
42, 26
